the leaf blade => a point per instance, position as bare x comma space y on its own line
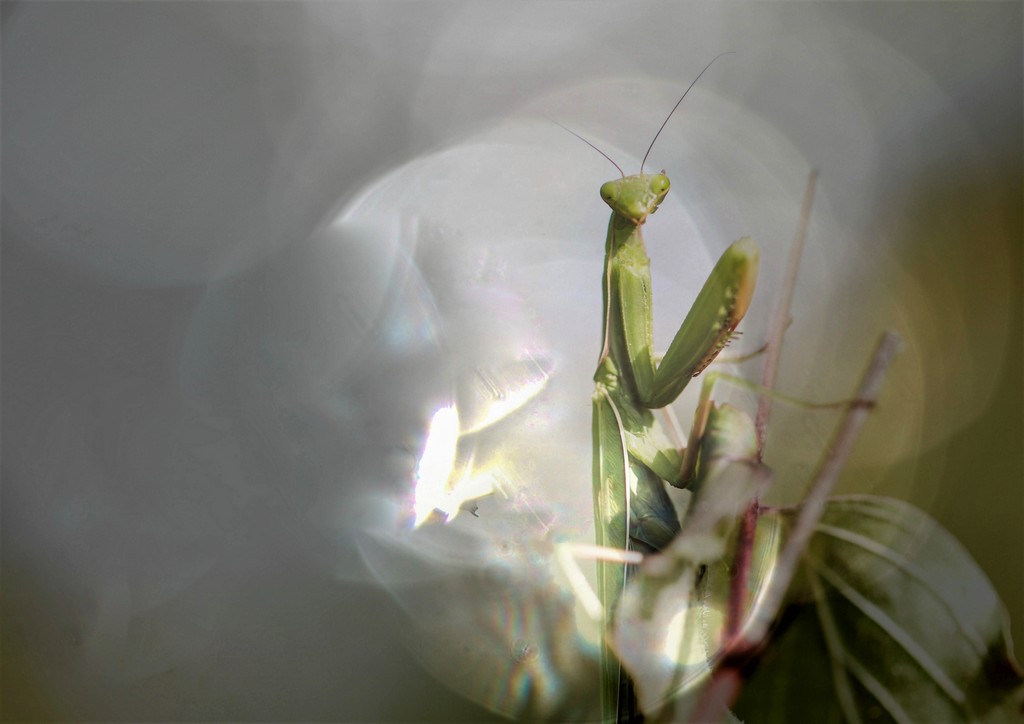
911, 627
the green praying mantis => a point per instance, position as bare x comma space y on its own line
649, 559
633, 459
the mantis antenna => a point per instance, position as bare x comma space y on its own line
621, 172
678, 102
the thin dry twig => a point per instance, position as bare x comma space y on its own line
726, 681
781, 317
773, 351
825, 479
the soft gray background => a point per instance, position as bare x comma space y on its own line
162, 553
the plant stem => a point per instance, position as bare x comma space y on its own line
824, 481
780, 319
773, 352
726, 681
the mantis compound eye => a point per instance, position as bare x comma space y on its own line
659, 183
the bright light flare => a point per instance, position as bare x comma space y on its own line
436, 465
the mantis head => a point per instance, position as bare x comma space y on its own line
635, 197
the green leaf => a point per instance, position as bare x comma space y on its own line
902, 626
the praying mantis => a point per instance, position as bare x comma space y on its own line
633, 460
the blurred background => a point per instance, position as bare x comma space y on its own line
250, 250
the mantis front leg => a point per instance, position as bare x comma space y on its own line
633, 461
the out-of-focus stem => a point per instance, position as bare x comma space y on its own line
726, 681
773, 351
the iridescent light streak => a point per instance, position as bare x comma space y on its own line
506, 390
